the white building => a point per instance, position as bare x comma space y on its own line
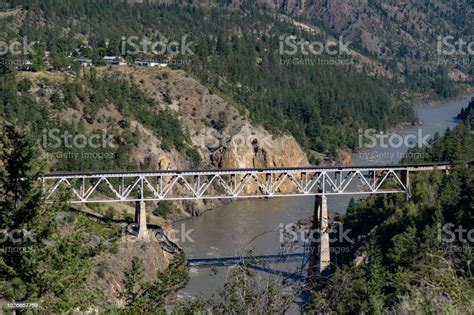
150, 64
85, 62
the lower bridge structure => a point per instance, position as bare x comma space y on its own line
155, 186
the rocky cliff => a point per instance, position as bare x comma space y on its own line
222, 135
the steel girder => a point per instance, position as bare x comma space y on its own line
233, 184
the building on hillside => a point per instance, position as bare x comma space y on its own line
150, 64
23, 65
84, 62
114, 61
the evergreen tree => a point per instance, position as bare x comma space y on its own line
38, 264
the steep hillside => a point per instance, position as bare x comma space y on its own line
152, 119
404, 39
65, 261
415, 256
321, 99
404, 35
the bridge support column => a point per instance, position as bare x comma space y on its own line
320, 259
140, 219
406, 181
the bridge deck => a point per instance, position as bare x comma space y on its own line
409, 167
128, 186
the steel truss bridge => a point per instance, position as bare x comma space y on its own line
141, 186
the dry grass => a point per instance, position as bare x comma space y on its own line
41, 75
8, 13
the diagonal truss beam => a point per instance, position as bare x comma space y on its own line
231, 183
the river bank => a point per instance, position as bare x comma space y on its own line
227, 231
430, 99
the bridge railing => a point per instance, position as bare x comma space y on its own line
90, 187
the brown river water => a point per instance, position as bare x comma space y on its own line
231, 230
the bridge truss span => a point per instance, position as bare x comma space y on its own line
93, 187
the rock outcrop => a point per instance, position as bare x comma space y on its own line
222, 136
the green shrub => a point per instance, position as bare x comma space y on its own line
164, 209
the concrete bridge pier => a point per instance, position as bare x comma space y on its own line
140, 219
320, 259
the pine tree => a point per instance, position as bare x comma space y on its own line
39, 264
143, 296
22, 209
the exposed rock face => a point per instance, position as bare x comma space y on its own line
255, 148
252, 148
343, 158
214, 125
223, 137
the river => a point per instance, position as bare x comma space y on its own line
230, 230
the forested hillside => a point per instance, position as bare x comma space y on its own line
415, 256
62, 260
82, 89
407, 37
235, 53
